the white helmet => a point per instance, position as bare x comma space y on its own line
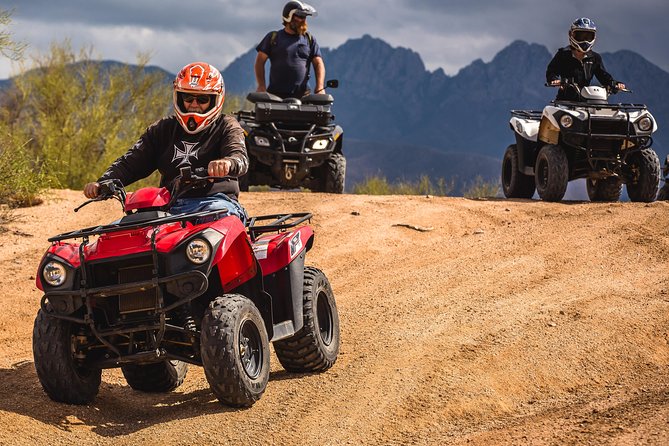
582, 34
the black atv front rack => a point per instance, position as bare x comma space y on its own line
280, 223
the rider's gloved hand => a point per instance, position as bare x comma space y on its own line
92, 190
219, 168
556, 82
617, 86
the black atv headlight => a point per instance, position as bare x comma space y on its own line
645, 124
320, 144
54, 273
566, 121
261, 141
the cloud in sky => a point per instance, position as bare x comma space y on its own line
446, 34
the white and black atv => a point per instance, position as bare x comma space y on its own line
607, 144
293, 143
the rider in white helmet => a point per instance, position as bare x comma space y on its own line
291, 52
578, 63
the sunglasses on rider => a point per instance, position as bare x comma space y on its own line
201, 99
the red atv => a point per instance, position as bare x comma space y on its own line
154, 292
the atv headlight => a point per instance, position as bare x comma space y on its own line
320, 144
198, 251
54, 273
261, 141
566, 121
645, 124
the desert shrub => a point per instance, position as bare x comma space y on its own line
378, 185
480, 188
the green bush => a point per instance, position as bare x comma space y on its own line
481, 188
378, 185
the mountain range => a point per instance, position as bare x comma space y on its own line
401, 120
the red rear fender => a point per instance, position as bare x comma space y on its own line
276, 251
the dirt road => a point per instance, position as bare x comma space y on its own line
509, 322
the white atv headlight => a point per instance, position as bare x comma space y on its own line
54, 273
645, 124
566, 121
320, 144
261, 141
198, 251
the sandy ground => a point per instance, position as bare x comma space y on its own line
509, 322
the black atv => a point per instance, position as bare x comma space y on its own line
607, 144
293, 143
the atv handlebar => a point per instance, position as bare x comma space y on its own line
571, 83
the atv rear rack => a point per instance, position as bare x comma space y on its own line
280, 223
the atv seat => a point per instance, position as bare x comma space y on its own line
262, 96
318, 99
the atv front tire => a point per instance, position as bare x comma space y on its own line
551, 173
61, 377
607, 189
155, 378
235, 350
645, 169
334, 174
515, 184
314, 348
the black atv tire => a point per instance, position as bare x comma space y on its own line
551, 173
334, 174
515, 184
314, 348
606, 190
235, 350
663, 194
645, 167
62, 379
157, 377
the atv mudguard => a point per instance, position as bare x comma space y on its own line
281, 258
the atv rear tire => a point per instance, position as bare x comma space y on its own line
334, 174
645, 168
515, 184
61, 377
314, 348
607, 189
155, 378
235, 350
551, 173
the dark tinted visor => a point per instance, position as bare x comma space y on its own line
583, 35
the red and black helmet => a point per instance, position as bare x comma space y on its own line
198, 78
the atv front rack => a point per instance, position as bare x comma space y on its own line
279, 223
126, 226
533, 115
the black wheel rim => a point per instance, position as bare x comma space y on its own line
250, 349
324, 315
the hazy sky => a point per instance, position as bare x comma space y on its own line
447, 34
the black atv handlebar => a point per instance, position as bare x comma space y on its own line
572, 84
